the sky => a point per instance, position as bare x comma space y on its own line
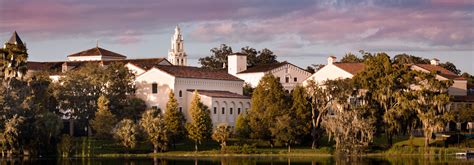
302, 32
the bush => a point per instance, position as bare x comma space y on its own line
245, 149
66, 146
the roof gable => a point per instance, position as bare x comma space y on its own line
97, 51
267, 67
440, 71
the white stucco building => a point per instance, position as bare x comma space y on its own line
334, 70
289, 75
156, 77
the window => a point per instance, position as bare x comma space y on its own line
215, 110
154, 107
180, 93
287, 79
154, 88
238, 111
230, 111
223, 110
181, 109
295, 79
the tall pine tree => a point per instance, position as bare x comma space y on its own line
268, 102
200, 127
174, 119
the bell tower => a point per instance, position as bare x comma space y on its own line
176, 54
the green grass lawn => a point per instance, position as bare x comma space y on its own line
92, 147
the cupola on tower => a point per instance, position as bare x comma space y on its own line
176, 54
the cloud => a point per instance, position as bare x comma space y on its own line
438, 24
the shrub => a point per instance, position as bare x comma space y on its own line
66, 146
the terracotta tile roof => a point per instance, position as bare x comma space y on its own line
97, 51
50, 67
56, 67
352, 68
144, 63
264, 68
199, 73
441, 71
219, 94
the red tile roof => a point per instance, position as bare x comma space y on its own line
199, 73
441, 71
144, 63
56, 67
97, 51
352, 68
219, 94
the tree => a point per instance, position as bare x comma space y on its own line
156, 130
17, 134
451, 67
266, 56
385, 83
134, 108
284, 130
409, 59
352, 126
251, 53
80, 91
429, 100
320, 104
127, 132
268, 102
470, 79
174, 119
351, 58
120, 85
300, 112
13, 61
218, 59
47, 127
242, 127
247, 89
82, 87
200, 127
221, 134
104, 120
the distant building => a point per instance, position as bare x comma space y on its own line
459, 90
156, 77
288, 74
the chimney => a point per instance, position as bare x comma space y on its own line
237, 62
434, 61
331, 60
64, 67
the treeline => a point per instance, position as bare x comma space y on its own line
387, 98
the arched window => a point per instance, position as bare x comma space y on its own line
180, 93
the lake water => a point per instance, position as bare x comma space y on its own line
243, 160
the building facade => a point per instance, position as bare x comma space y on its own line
220, 91
288, 74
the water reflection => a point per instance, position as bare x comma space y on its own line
241, 161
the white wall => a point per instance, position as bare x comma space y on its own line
288, 70
144, 87
328, 72
93, 58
